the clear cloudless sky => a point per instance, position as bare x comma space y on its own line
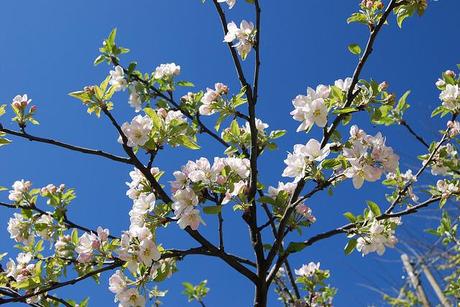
47, 50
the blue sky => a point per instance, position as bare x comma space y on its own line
47, 51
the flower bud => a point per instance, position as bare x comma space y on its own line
33, 109
383, 86
440, 83
449, 73
162, 112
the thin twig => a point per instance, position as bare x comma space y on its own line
411, 131
65, 145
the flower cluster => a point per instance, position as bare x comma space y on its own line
447, 188
138, 131
377, 235
444, 160
20, 229
312, 279
22, 269
281, 196
307, 270
139, 184
127, 297
401, 180
302, 159
138, 246
117, 79
212, 97
89, 243
368, 157
226, 176
450, 91
19, 105
245, 35
167, 71
311, 109
19, 191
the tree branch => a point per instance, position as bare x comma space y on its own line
65, 145
402, 122
66, 221
362, 61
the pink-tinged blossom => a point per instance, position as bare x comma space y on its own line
21, 102
20, 187
117, 282
137, 132
130, 298
368, 157
212, 97
190, 217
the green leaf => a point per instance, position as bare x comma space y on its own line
350, 246
157, 122
74, 236
402, 101
111, 38
188, 142
346, 110
2, 109
235, 128
357, 17
99, 60
4, 141
374, 208
350, 217
185, 83
212, 209
295, 247
354, 48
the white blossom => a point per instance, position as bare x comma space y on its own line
302, 156
450, 96
230, 3
244, 34
117, 79
135, 100
20, 229
167, 71
307, 270
344, 85
311, 109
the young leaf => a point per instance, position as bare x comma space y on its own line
354, 48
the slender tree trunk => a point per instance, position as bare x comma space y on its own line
260, 299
